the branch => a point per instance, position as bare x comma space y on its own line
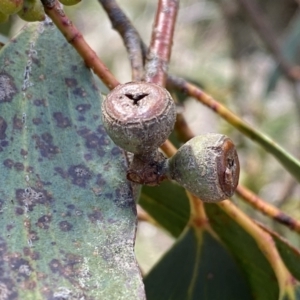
182, 128
168, 148
74, 37
135, 48
267, 209
161, 42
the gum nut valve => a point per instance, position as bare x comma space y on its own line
139, 116
207, 166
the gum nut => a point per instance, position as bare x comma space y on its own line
139, 116
207, 166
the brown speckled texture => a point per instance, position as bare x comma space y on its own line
67, 213
139, 116
207, 166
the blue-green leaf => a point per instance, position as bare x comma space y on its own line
68, 217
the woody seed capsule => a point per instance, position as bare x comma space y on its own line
207, 166
139, 116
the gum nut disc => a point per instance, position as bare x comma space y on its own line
139, 116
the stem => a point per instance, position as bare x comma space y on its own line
182, 128
267, 208
198, 217
161, 42
130, 36
199, 222
266, 245
263, 27
287, 160
74, 37
168, 148
278, 237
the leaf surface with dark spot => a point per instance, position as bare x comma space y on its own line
68, 217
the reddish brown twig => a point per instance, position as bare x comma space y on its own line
73, 36
182, 128
161, 42
277, 236
267, 209
131, 38
168, 148
265, 31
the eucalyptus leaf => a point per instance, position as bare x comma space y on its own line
258, 271
168, 205
68, 217
289, 254
197, 267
